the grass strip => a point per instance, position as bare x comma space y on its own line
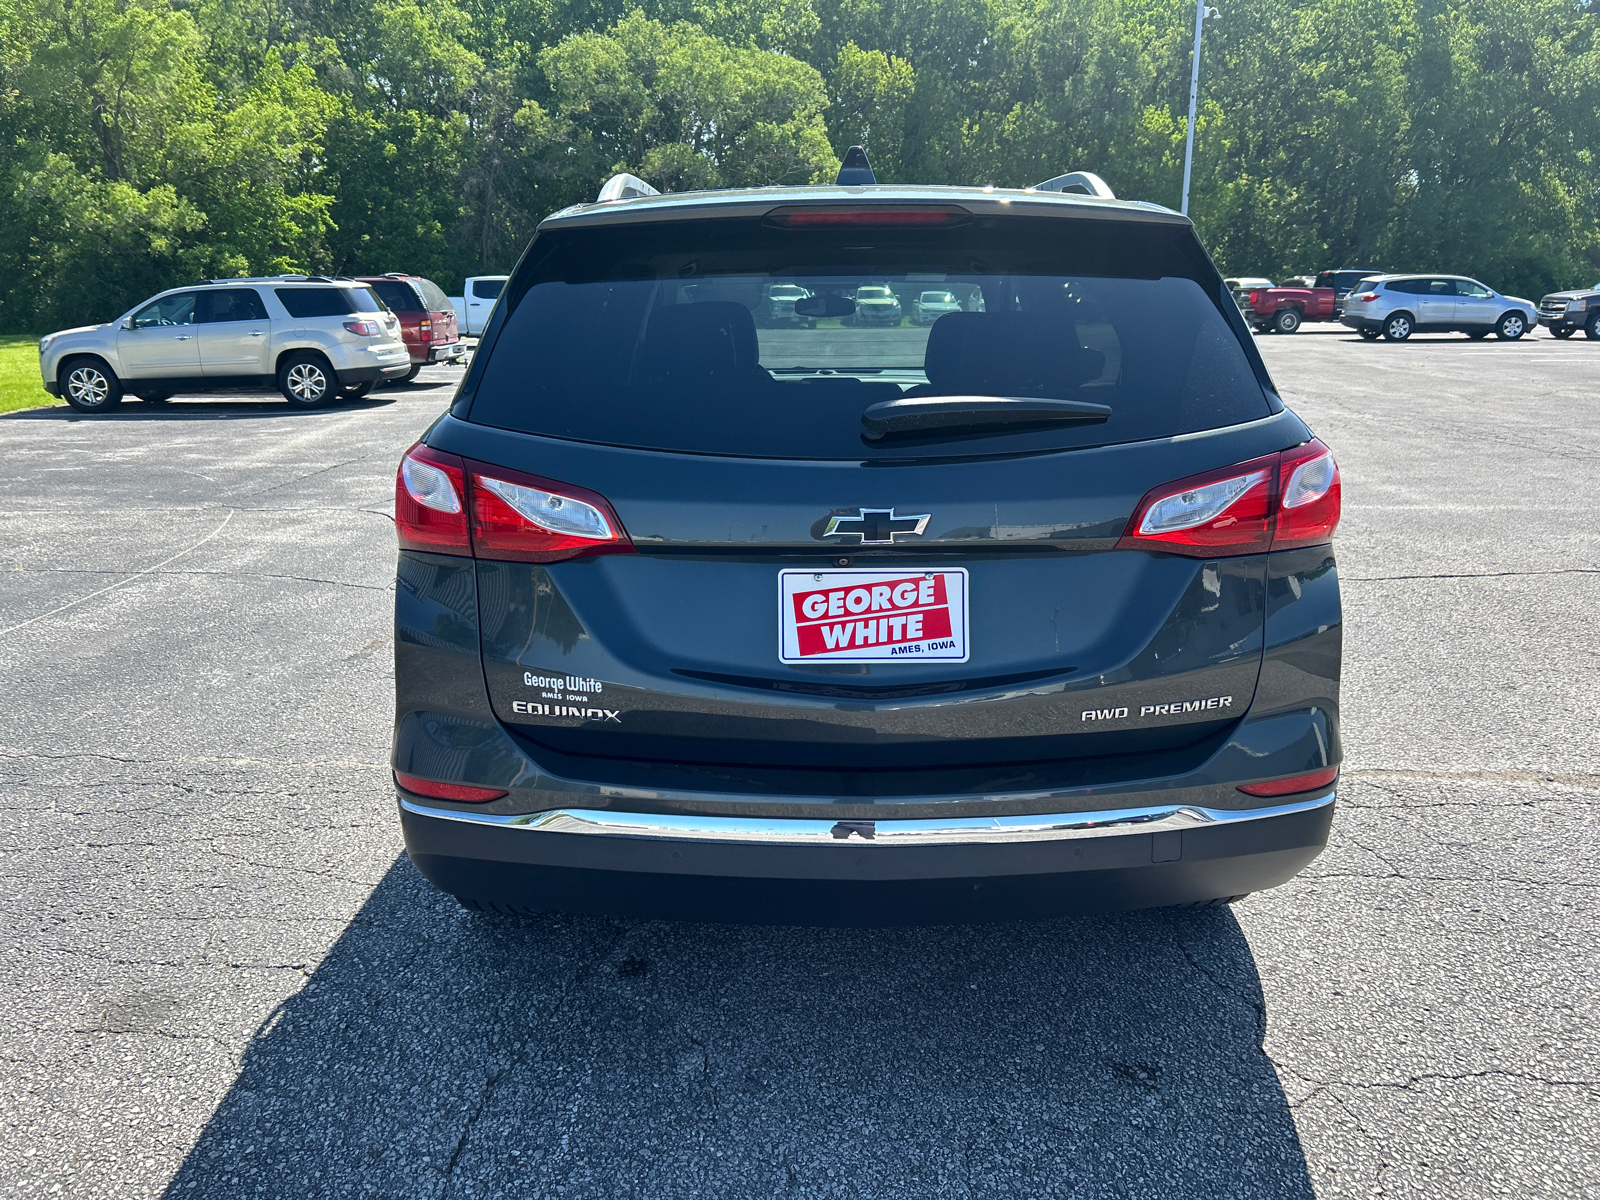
19, 374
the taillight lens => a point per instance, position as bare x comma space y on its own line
1368, 297
430, 490
1273, 503
524, 518
1309, 499
1309, 782
446, 504
364, 328
447, 791
1255, 297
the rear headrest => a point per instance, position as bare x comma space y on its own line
1008, 354
698, 344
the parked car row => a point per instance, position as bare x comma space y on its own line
312, 338
874, 304
1394, 306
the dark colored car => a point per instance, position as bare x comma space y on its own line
1028, 611
427, 318
1564, 313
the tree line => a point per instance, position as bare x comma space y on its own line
147, 143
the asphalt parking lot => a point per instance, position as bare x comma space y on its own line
222, 978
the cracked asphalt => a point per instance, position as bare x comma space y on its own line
223, 979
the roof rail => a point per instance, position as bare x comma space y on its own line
625, 187
272, 279
1080, 183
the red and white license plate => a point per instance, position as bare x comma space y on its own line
872, 616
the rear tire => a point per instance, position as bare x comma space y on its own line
1368, 335
156, 397
359, 390
306, 380
1398, 327
1478, 335
1511, 327
89, 385
1287, 320
1562, 331
413, 373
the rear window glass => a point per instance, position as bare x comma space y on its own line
327, 301
662, 336
433, 296
487, 289
399, 295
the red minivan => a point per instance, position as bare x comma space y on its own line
427, 318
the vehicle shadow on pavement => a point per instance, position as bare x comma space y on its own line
199, 410
444, 1053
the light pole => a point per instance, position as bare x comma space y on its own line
1201, 12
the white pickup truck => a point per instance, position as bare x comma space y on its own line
473, 309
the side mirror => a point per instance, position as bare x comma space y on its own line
128, 324
824, 306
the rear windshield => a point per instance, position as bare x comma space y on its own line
433, 296
659, 337
487, 289
304, 302
399, 295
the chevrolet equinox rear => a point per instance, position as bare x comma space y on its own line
1029, 610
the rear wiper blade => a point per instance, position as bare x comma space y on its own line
922, 416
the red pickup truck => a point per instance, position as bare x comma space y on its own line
1283, 308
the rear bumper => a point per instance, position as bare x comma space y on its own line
1355, 322
766, 870
448, 353
350, 375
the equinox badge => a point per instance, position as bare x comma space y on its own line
876, 526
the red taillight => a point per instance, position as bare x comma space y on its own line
882, 218
1276, 502
446, 504
447, 791
430, 502
1309, 497
1309, 782
1255, 297
364, 328
1368, 298
524, 518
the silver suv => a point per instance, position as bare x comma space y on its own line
1396, 306
311, 338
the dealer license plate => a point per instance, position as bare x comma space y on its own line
872, 616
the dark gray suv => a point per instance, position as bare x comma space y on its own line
1028, 611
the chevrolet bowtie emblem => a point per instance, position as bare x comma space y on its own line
876, 526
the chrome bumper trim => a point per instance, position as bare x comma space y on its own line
946, 831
